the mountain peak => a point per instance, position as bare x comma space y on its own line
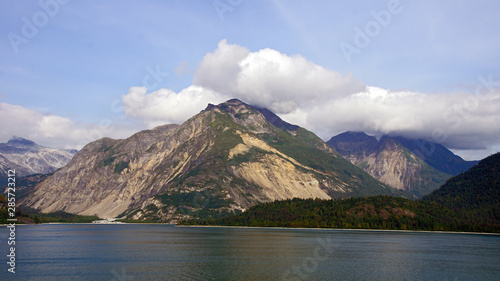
399, 161
276, 120
230, 156
21, 142
234, 106
27, 157
235, 102
358, 142
229, 103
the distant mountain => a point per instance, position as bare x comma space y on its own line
475, 194
223, 160
437, 156
413, 165
28, 158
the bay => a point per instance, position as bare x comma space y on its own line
166, 252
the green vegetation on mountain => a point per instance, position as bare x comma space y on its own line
243, 158
474, 195
376, 212
467, 202
309, 150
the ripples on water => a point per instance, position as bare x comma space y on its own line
164, 252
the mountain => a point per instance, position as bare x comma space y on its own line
467, 202
475, 194
28, 158
437, 156
416, 166
223, 160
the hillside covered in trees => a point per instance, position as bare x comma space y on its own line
467, 202
474, 195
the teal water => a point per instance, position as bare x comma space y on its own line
165, 252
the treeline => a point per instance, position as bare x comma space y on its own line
31, 216
377, 212
467, 202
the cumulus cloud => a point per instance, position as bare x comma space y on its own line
52, 130
272, 79
324, 101
166, 106
300, 91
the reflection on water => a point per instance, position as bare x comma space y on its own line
164, 252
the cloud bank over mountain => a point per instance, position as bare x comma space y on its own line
326, 101
300, 91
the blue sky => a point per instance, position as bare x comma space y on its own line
67, 67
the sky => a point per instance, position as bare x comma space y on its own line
75, 71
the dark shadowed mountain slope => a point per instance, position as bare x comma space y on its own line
475, 194
437, 156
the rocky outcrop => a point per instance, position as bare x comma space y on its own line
223, 160
392, 161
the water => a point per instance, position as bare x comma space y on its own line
165, 252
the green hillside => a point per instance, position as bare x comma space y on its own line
475, 194
467, 202
376, 212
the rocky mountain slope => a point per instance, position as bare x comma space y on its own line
28, 158
224, 159
469, 201
412, 165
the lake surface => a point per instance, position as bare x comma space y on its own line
165, 252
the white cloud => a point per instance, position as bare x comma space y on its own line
52, 130
165, 106
301, 91
220, 69
460, 120
323, 100
272, 79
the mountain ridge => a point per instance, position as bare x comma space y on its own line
28, 158
413, 165
225, 159
467, 202
473, 194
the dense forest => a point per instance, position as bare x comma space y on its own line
467, 202
474, 195
376, 212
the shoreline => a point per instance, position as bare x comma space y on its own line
345, 229
269, 227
